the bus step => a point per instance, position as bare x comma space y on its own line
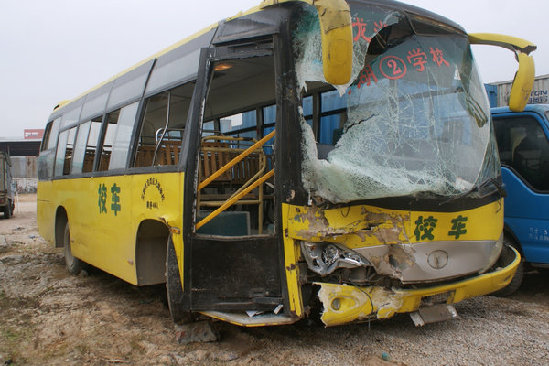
244, 320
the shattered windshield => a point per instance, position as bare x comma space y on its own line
415, 117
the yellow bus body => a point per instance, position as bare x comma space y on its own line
103, 239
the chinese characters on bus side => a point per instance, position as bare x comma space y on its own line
425, 226
115, 199
151, 201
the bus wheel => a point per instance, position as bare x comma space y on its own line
515, 283
73, 264
174, 290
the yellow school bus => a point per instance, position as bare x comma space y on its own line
329, 158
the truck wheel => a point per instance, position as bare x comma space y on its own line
7, 210
73, 264
174, 290
515, 283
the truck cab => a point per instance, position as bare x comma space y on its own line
523, 142
7, 190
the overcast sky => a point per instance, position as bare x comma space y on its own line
56, 49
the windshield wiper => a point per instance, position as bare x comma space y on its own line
493, 182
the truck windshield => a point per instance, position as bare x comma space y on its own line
416, 118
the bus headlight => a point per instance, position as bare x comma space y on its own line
325, 258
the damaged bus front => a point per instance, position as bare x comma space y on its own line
397, 203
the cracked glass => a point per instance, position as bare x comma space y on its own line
416, 117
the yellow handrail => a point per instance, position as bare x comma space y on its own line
231, 201
235, 160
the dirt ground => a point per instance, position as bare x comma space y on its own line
48, 317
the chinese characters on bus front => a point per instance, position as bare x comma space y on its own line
115, 199
425, 226
394, 67
360, 27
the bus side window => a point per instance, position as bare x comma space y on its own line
46, 161
60, 156
80, 148
108, 139
269, 119
122, 139
52, 138
69, 151
44, 144
164, 121
240, 125
91, 144
333, 115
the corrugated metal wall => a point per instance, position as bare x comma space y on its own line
540, 92
24, 166
24, 172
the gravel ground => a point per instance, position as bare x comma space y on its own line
50, 317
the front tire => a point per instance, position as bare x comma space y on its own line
73, 264
516, 282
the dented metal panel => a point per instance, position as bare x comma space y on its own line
343, 303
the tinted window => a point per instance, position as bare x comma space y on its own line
91, 145
52, 139
69, 150
108, 139
70, 118
80, 148
333, 109
171, 68
95, 103
163, 125
524, 147
60, 156
44, 144
126, 122
240, 124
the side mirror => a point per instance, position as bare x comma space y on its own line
524, 77
336, 36
337, 40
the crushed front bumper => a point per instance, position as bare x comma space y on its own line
346, 303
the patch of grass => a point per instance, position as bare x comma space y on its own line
82, 348
10, 334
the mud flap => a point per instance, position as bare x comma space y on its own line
433, 314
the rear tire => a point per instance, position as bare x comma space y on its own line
174, 290
516, 282
73, 264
